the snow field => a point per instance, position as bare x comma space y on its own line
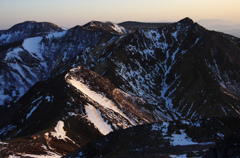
32, 45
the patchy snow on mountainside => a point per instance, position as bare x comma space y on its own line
6, 38
118, 28
178, 139
56, 34
14, 54
177, 73
95, 117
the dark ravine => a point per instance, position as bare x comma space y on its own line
97, 90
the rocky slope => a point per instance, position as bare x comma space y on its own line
71, 87
182, 70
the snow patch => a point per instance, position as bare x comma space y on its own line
181, 139
177, 139
59, 131
95, 117
32, 45
179, 156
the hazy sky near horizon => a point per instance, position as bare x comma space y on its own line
68, 13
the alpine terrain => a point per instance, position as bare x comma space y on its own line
119, 90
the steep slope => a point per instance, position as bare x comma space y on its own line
182, 70
68, 115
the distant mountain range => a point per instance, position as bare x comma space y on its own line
125, 90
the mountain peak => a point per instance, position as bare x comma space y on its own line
31, 24
107, 26
27, 29
186, 20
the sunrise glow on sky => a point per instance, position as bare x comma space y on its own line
68, 13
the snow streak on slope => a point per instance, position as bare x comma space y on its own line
100, 99
150, 70
95, 117
144, 81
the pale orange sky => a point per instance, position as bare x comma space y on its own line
68, 13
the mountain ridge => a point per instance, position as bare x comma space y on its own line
97, 82
27, 29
